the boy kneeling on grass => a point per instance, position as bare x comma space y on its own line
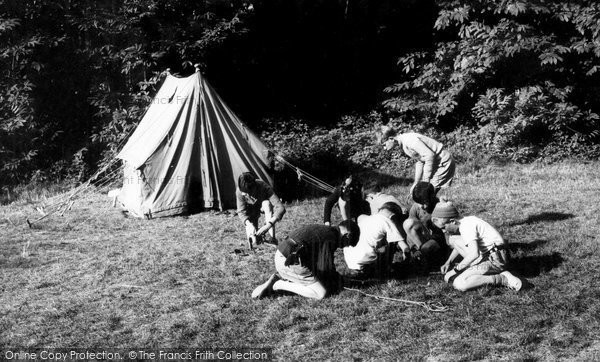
482, 248
305, 260
379, 240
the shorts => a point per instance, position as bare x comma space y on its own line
487, 267
265, 208
444, 172
295, 273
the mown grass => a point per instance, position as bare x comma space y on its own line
93, 278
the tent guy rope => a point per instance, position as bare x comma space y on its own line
160, 122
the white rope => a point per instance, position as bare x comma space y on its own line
436, 307
65, 201
305, 176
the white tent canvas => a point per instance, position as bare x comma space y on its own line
187, 152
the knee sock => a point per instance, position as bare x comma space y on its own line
499, 279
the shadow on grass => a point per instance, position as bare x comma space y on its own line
532, 266
513, 247
383, 179
542, 217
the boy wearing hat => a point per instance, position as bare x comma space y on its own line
376, 198
481, 247
254, 197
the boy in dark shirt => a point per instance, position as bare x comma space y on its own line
305, 260
349, 197
254, 197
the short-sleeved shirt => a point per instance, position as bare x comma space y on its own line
375, 231
420, 147
472, 228
438, 165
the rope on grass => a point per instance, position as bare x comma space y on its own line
436, 307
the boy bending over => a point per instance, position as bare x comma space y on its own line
482, 248
379, 240
305, 260
254, 197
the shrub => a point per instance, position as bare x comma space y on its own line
330, 154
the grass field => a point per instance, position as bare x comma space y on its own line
95, 279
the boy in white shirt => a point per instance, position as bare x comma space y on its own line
481, 246
379, 237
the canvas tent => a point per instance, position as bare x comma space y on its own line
187, 152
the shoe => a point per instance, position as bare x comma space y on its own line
264, 289
512, 281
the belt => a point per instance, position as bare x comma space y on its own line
290, 251
499, 247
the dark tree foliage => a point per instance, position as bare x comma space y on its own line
77, 75
513, 77
521, 78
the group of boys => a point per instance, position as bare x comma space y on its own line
377, 229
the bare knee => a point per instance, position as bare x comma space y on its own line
266, 206
460, 284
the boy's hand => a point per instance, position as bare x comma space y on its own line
444, 268
449, 275
264, 229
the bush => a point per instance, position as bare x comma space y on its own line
519, 79
329, 154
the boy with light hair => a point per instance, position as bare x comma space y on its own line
376, 199
483, 251
434, 163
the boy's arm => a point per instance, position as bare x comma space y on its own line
331, 200
242, 207
446, 266
392, 235
472, 255
427, 156
418, 172
278, 208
